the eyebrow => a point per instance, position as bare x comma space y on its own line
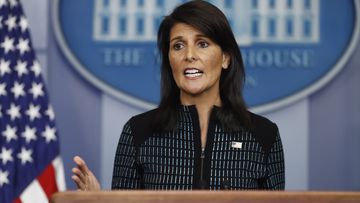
181, 37
176, 38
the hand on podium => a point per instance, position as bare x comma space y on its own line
83, 177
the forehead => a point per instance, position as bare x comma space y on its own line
182, 29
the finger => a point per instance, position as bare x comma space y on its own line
79, 184
78, 160
77, 181
81, 165
79, 174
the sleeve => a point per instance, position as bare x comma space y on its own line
126, 174
275, 179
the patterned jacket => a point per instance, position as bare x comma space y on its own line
247, 159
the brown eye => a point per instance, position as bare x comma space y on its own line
178, 46
203, 44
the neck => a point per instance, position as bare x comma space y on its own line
204, 104
206, 100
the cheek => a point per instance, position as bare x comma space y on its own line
174, 64
174, 70
214, 57
216, 63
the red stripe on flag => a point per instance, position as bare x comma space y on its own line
47, 181
17, 201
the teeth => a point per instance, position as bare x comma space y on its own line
193, 75
191, 71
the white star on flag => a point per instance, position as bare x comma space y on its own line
13, 3
23, 46
49, 134
29, 134
33, 112
14, 112
23, 23
4, 67
21, 68
25, 155
8, 44
50, 112
36, 90
18, 90
4, 178
2, 3
10, 133
5, 155
36, 68
2, 89
11, 22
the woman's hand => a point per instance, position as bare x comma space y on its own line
83, 177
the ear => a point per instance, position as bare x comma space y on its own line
225, 61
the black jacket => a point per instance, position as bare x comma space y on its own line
247, 159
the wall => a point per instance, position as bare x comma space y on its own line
320, 133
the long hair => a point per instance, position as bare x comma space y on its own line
210, 21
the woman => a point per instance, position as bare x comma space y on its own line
201, 136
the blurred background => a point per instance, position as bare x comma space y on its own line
320, 129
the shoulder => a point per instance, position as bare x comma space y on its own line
143, 119
142, 125
264, 130
262, 123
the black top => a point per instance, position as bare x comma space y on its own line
245, 159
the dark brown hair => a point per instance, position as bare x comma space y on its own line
210, 21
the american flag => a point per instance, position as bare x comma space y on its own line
31, 169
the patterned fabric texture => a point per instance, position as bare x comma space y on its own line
243, 160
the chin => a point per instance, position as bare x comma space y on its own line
193, 92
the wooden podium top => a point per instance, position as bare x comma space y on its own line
204, 197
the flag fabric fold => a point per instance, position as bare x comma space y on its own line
31, 169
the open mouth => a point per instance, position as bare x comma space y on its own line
193, 72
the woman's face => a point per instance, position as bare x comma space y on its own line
196, 61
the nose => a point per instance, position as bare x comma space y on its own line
190, 54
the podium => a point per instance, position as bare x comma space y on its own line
143, 196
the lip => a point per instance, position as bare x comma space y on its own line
193, 73
192, 70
